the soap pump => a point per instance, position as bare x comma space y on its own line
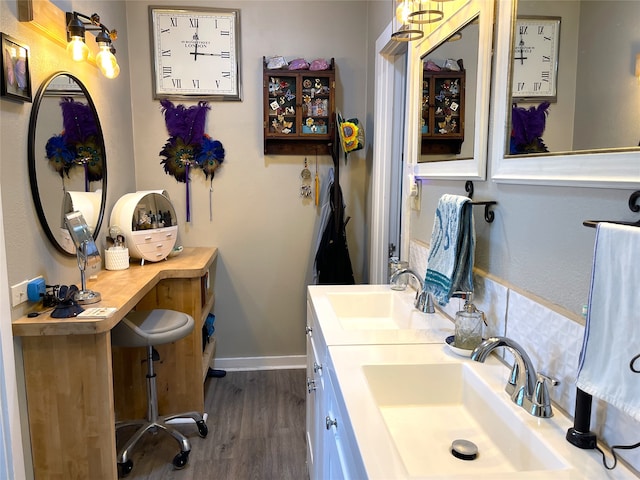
468, 325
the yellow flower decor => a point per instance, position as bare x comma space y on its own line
351, 134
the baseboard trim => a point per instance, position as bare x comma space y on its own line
260, 363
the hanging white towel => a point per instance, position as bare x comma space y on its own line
612, 333
451, 254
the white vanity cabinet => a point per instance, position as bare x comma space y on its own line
331, 447
148, 221
340, 454
316, 356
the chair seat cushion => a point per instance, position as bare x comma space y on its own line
151, 327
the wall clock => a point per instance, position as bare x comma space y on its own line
535, 58
195, 53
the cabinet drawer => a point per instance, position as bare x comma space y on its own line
142, 237
156, 247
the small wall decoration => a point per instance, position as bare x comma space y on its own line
16, 78
527, 128
188, 147
78, 144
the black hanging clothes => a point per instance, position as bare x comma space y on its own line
332, 258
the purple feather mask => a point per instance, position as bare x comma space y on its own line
78, 121
188, 147
527, 128
185, 123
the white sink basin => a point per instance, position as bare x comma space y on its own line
375, 310
374, 314
431, 405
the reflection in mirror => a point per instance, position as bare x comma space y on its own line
448, 107
67, 161
597, 97
474, 19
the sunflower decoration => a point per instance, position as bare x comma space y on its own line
351, 134
78, 144
188, 146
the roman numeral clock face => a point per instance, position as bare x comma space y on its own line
535, 58
195, 53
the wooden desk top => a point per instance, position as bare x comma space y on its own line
122, 289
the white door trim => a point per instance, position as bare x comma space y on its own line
385, 110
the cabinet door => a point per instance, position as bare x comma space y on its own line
311, 417
338, 461
447, 106
316, 105
282, 100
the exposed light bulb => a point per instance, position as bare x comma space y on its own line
107, 62
403, 10
77, 49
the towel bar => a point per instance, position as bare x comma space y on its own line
634, 198
488, 214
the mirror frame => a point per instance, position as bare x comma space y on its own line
613, 169
457, 18
33, 180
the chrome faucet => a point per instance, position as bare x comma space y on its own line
527, 388
424, 300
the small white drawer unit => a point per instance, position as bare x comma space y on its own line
148, 222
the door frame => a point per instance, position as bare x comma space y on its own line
390, 87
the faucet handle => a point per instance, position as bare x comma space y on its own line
541, 401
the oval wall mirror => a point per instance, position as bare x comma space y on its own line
67, 160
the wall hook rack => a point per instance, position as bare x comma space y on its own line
634, 206
488, 213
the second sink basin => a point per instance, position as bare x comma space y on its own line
425, 407
377, 310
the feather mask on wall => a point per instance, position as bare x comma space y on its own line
78, 144
188, 146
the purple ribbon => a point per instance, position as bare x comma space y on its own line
85, 164
187, 182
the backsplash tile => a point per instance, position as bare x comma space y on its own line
552, 340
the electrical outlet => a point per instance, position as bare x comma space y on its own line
416, 196
19, 293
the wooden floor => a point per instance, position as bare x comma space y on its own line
256, 431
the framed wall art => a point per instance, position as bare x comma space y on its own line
16, 78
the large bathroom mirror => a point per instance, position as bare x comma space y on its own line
464, 35
67, 160
590, 133
447, 124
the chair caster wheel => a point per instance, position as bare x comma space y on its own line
180, 460
203, 430
125, 468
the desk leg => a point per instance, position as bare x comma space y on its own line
70, 403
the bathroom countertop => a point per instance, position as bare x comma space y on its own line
121, 289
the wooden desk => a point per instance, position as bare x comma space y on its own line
77, 385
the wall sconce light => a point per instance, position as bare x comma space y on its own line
78, 50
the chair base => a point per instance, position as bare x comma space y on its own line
155, 422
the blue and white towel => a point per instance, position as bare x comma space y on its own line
451, 255
612, 333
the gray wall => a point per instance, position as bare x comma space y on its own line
264, 230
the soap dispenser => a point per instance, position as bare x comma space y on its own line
468, 325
